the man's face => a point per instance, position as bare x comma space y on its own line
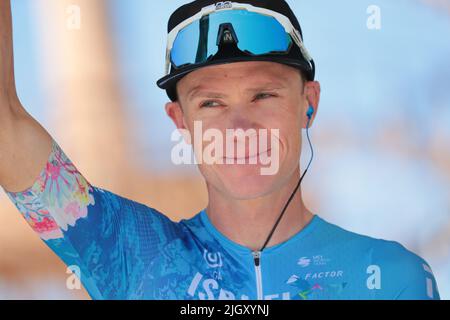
261, 96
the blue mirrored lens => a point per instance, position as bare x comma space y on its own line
257, 34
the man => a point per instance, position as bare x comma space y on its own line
230, 65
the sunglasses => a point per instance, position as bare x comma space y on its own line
255, 31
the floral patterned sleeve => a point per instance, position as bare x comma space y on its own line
93, 229
57, 199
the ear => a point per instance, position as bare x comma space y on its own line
312, 96
175, 112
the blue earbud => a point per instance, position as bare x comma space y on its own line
310, 112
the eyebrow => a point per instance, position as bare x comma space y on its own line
203, 92
200, 91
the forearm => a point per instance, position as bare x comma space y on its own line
7, 86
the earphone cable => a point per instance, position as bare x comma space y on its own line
293, 193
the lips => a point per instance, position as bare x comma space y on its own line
247, 156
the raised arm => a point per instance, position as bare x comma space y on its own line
24, 144
111, 239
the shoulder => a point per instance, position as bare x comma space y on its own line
402, 273
113, 214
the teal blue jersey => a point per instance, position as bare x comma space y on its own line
125, 250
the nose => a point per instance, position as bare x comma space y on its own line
245, 133
240, 118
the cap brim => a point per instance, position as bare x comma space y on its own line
170, 80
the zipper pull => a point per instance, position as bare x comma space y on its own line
256, 257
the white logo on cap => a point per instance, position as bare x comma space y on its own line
223, 5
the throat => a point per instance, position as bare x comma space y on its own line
252, 230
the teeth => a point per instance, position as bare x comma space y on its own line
249, 157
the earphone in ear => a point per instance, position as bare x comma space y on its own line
310, 112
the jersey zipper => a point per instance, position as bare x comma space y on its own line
257, 260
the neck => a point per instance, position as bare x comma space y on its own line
249, 222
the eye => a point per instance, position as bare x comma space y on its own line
208, 104
264, 95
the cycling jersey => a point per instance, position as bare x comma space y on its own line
126, 250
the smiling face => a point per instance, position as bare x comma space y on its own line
250, 96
